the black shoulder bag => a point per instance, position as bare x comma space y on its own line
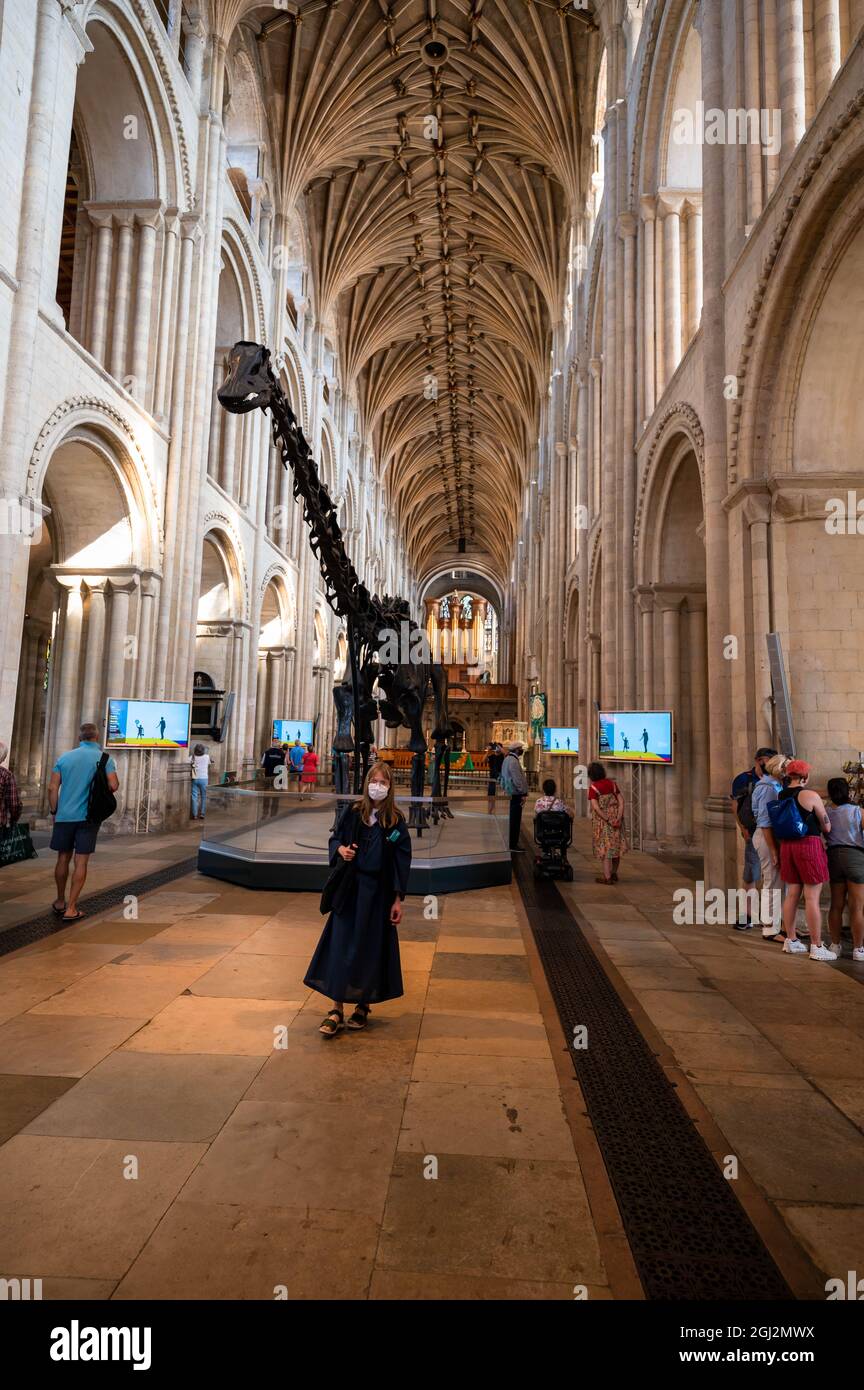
101, 802
335, 891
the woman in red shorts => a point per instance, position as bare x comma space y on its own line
804, 863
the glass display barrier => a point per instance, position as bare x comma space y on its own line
277, 839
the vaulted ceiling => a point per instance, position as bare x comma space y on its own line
441, 148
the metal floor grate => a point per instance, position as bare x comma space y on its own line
46, 924
689, 1236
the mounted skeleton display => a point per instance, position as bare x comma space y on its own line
374, 625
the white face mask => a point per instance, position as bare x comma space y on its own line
378, 791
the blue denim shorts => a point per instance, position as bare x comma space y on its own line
752, 867
79, 835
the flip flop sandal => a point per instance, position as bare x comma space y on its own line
333, 1024
70, 920
360, 1017
58, 911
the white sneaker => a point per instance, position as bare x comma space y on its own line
794, 947
821, 953
858, 953
770, 932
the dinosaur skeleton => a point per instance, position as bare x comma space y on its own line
370, 621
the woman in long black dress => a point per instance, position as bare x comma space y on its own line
357, 958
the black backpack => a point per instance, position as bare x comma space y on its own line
101, 802
746, 818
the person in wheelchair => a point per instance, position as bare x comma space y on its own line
550, 801
553, 833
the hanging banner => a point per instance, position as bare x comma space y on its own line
537, 715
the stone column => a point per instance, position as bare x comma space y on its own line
217, 415
167, 633
595, 694
771, 88
261, 704
196, 38
99, 297
92, 696
230, 432
826, 38
37, 723
146, 624
751, 47
118, 631
275, 685
649, 216
166, 315
122, 292
790, 36
19, 744
671, 206
694, 264
58, 45
669, 607
720, 834
65, 706
757, 514
148, 222
698, 779
645, 602
627, 231
659, 309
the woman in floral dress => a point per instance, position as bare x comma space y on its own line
606, 804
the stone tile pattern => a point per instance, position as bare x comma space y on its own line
773, 1044
175, 1127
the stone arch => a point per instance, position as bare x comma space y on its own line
667, 71
275, 609
798, 450
124, 169
679, 422
245, 121
218, 525
673, 669
820, 226
92, 420
89, 617
239, 315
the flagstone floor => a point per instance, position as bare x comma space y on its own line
172, 1125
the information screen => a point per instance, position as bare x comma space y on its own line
636, 736
562, 742
292, 731
147, 724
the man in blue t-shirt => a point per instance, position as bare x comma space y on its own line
295, 756
68, 796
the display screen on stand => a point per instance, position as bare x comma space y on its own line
636, 736
147, 723
292, 730
562, 742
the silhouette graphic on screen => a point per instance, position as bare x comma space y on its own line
626, 743
162, 727
140, 727
568, 740
645, 739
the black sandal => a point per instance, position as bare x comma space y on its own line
333, 1023
360, 1016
